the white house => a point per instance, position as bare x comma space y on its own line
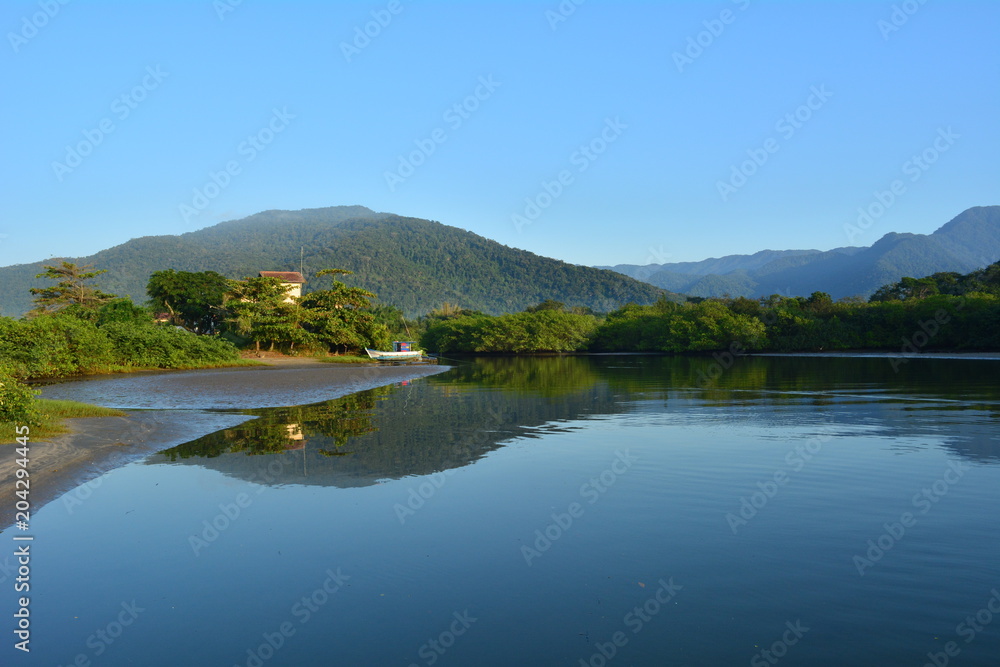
292, 280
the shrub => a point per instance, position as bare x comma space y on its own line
166, 347
60, 345
17, 401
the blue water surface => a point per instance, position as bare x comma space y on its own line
551, 511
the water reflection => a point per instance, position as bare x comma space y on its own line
454, 419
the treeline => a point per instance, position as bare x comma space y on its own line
76, 328
944, 311
193, 320
117, 337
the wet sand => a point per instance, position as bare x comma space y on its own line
283, 383
167, 408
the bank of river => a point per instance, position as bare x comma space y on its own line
167, 408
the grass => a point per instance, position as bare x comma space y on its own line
178, 367
108, 370
345, 359
53, 414
71, 409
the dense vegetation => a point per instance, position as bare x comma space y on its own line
943, 311
71, 343
410, 263
75, 328
542, 331
334, 319
118, 336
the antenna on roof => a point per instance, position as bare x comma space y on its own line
302, 255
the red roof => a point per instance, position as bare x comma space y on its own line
285, 276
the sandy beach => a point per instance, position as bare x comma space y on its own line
167, 408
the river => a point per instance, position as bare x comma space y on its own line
603, 510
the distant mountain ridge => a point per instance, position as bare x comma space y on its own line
410, 263
969, 241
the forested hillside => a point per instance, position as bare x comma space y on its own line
410, 263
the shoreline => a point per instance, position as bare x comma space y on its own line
931, 354
860, 354
168, 408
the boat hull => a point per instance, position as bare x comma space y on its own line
381, 355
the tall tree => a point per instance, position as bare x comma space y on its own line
71, 289
341, 316
258, 310
195, 299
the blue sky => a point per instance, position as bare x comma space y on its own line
598, 133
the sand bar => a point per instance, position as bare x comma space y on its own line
167, 408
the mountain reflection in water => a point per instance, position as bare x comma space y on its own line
454, 419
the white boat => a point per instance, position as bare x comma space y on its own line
381, 355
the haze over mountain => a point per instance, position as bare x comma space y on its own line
968, 242
410, 263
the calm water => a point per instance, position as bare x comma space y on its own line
555, 511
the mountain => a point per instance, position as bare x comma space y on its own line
968, 242
410, 263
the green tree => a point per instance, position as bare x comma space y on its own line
193, 299
819, 302
907, 288
124, 311
258, 310
17, 401
340, 317
71, 289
